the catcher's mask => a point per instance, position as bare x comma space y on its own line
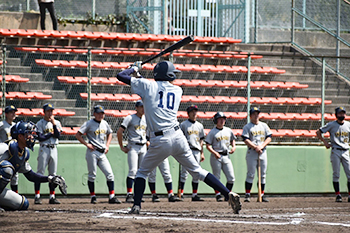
28, 129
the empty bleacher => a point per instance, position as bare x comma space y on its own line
214, 72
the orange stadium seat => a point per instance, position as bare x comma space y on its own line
15, 79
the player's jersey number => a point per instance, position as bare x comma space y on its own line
170, 100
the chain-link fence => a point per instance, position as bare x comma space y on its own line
286, 87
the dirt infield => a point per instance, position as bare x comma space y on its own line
281, 214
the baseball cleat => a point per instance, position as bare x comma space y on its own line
114, 200
37, 201
219, 198
2, 210
174, 198
53, 200
338, 199
135, 209
93, 200
264, 199
182, 197
155, 198
129, 198
234, 202
197, 198
247, 197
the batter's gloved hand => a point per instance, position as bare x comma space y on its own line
138, 64
60, 182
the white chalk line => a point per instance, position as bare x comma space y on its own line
110, 215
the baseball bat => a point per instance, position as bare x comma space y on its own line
173, 47
179, 183
259, 182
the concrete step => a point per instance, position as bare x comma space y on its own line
13, 61
17, 69
31, 76
262, 47
37, 86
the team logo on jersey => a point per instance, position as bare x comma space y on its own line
195, 132
256, 133
140, 127
100, 131
50, 130
341, 134
222, 138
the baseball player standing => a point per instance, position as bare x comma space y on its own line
161, 101
99, 134
14, 156
256, 135
339, 136
218, 143
5, 134
194, 133
136, 126
49, 131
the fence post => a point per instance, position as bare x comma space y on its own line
248, 87
93, 10
323, 89
88, 87
292, 22
338, 35
256, 21
3, 86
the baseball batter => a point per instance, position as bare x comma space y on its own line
5, 134
256, 135
49, 131
194, 133
99, 134
218, 142
14, 156
136, 126
339, 136
161, 101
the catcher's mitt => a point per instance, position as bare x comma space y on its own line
60, 182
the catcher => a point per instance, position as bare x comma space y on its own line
14, 157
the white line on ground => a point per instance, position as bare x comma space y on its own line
334, 224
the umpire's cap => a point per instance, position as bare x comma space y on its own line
139, 103
217, 116
48, 106
339, 109
252, 110
10, 108
99, 108
165, 71
191, 108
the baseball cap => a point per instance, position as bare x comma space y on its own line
255, 109
139, 103
48, 106
10, 108
339, 109
191, 108
99, 108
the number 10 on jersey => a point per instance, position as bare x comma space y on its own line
170, 100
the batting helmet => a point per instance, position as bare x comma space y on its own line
217, 116
25, 128
165, 71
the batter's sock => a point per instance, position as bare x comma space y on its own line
139, 189
111, 194
169, 188
129, 183
336, 188
263, 188
91, 186
229, 186
37, 193
52, 194
110, 185
14, 188
194, 188
182, 185
152, 187
213, 182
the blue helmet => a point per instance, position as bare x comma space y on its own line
25, 128
217, 116
165, 71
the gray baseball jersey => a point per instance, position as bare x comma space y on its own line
339, 134
136, 127
220, 139
96, 131
5, 128
194, 133
256, 133
46, 127
22, 165
161, 101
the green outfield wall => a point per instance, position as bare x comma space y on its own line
291, 169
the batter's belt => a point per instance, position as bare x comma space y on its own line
161, 133
48, 145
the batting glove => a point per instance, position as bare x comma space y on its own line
138, 64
